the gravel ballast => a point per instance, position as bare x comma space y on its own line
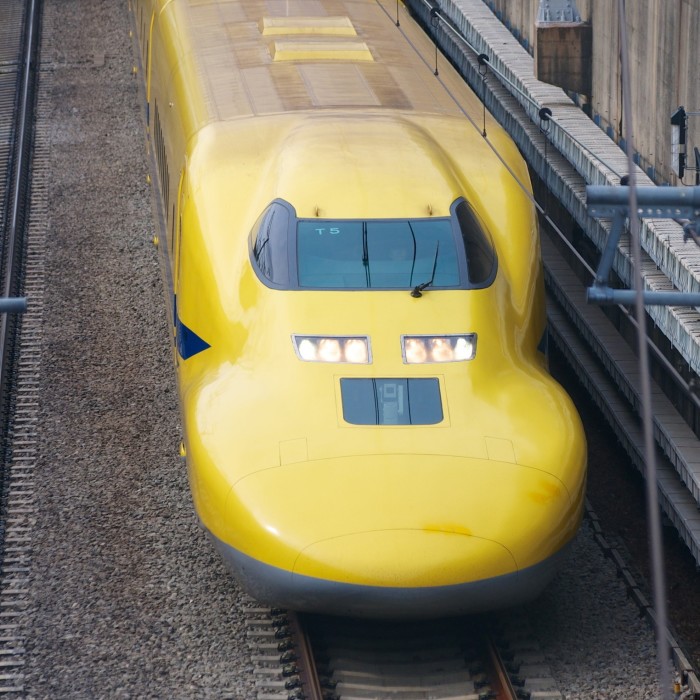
128, 598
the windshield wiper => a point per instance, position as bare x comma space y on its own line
365, 255
418, 289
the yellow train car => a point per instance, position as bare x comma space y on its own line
358, 312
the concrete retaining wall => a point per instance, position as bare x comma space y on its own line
663, 37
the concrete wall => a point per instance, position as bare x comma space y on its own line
664, 43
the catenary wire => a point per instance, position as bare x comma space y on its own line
514, 87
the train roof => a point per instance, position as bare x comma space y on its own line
256, 58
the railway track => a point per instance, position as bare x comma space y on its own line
305, 657
18, 51
21, 272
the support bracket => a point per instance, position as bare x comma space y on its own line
679, 203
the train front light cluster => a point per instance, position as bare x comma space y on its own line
350, 349
438, 348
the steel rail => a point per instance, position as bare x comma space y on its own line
362, 666
306, 664
499, 679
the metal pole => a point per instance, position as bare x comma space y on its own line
602, 294
656, 545
13, 305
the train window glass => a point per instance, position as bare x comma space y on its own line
269, 244
330, 254
391, 401
382, 254
481, 256
405, 253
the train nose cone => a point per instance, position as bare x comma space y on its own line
401, 517
397, 534
404, 558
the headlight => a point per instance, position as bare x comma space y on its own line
438, 348
315, 348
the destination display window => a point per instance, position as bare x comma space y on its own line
391, 401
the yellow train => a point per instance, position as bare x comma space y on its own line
358, 312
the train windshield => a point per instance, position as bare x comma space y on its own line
376, 254
452, 252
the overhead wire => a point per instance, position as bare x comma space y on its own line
514, 87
